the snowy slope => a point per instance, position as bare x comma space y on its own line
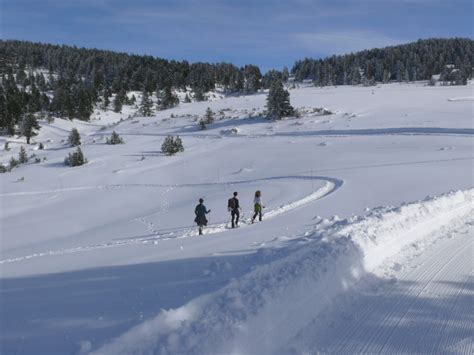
106, 256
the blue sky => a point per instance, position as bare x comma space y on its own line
268, 33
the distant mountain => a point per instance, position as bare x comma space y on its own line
408, 62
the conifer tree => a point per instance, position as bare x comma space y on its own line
278, 102
146, 105
28, 126
119, 101
76, 158
22, 156
167, 99
172, 145
114, 139
74, 138
209, 116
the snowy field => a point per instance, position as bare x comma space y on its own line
366, 243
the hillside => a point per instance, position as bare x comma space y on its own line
364, 246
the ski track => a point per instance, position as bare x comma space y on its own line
296, 175
330, 186
376, 318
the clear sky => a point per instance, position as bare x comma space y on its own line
269, 33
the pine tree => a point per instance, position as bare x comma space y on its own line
209, 116
85, 106
75, 158
114, 139
172, 145
74, 138
285, 74
34, 103
167, 99
199, 94
119, 101
252, 77
3, 113
202, 124
28, 125
146, 105
22, 156
106, 98
278, 102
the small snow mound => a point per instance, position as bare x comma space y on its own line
456, 99
230, 131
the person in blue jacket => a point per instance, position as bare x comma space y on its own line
201, 212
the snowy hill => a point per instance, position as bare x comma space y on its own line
365, 244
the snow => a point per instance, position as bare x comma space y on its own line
367, 225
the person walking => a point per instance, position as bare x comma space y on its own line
200, 211
234, 209
258, 206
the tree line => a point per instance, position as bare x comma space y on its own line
69, 82
408, 62
48, 80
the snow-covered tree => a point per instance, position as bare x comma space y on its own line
167, 99
74, 138
114, 139
22, 156
278, 102
75, 158
209, 116
146, 105
172, 145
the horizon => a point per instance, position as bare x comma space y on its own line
208, 31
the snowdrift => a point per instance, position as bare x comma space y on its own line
260, 312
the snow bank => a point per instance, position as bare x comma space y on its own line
262, 310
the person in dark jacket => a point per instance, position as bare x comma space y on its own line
234, 209
200, 211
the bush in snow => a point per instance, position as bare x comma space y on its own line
114, 139
172, 145
22, 156
41, 146
74, 138
3, 169
6, 146
202, 125
75, 158
13, 162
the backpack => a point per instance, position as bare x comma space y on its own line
231, 203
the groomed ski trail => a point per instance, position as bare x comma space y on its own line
421, 307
